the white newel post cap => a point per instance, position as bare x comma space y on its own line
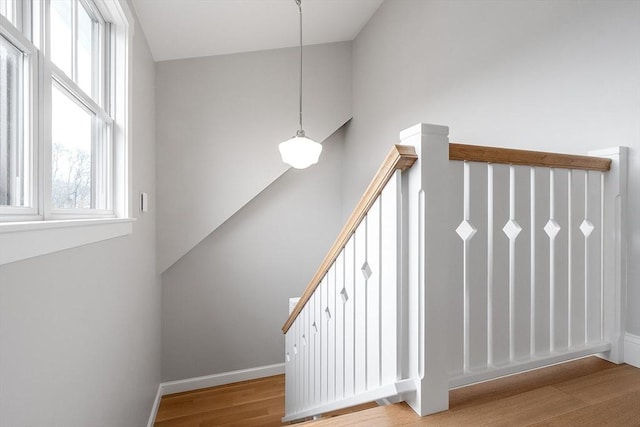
424, 129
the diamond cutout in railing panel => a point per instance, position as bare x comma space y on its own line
344, 295
288, 356
512, 229
552, 229
295, 349
366, 270
304, 340
314, 327
466, 231
327, 312
586, 227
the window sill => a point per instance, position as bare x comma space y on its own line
22, 240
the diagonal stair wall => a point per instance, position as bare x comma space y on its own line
219, 122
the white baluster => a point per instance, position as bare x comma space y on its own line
324, 344
520, 254
360, 300
390, 279
458, 269
475, 268
577, 254
349, 317
532, 262
330, 314
500, 303
593, 246
373, 288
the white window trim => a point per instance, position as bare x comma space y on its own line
22, 240
31, 117
28, 239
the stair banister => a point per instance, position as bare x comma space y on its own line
343, 336
400, 158
510, 156
436, 211
501, 261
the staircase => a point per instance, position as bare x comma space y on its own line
461, 264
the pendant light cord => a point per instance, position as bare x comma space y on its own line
299, 3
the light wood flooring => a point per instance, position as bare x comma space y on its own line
585, 392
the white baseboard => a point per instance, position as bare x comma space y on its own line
154, 408
220, 379
632, 349
196, 383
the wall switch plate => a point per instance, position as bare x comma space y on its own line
144, 202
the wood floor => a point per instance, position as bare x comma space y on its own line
585, 392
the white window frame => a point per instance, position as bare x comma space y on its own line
30, 121
39, 230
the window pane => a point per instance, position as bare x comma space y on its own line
13, 179
71, 152
7, 8
61, 38
36, 23
85, 51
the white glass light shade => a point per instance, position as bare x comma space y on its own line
300, 152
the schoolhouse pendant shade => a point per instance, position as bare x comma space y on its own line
300, 152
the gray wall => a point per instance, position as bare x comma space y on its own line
547, 75
80, 329
223, 303
219, 122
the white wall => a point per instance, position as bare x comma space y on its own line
80, 329
223, 303
548, 75
219, 122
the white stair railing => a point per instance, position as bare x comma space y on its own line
526, 266
343, 347
475, 263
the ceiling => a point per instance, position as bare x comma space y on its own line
178, 29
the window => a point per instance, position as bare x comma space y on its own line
63, 109
17, 157
14, 156
63, 124
71, 139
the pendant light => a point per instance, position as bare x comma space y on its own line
300, 152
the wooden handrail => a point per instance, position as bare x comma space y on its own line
400, 157
477, 153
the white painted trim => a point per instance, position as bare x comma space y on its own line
221, 379
389, 391
14, 227
632, 349
154, 408
118, 11
527, 365
614, 250
27, 240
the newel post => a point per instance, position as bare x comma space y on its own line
614, 251
426, 250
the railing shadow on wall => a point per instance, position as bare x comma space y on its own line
461, 264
